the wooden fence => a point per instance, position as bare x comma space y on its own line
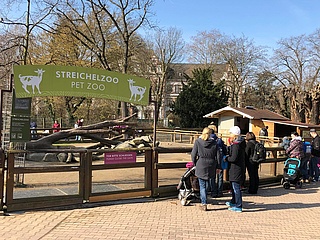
89, 180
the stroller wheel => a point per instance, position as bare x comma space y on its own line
183, 202
299, 184
286, 185
282, 181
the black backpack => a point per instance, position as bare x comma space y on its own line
259, 153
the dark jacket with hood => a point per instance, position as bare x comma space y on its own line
315, 151
250, 151
236, 159
295, 149
204, 156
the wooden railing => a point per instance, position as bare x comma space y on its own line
146, 182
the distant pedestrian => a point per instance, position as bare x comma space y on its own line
315, 156
263, 134
236, 160
56, 126
204, 156
33, 126
76, 125
80, 122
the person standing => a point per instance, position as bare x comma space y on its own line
56, 126
213, 181
236, 160
76, 125
264, 134
80, 122
204, 157
33, 126
217, 181
295, 149
252, 167
315, 156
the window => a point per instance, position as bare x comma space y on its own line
177, 88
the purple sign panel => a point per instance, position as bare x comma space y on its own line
120, 157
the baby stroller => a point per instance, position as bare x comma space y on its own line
188, 186
291, 173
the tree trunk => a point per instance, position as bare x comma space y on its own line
90, 131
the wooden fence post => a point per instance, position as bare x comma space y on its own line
10, 179
155, 184
148, 170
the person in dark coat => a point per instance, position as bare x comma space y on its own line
315, 155
295, 149
236, 160
203, 155
252, 167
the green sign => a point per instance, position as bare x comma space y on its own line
21, 106
52, 80
20, 119
20, 129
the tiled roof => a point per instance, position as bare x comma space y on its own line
249, 112
262, 114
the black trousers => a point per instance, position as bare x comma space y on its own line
253, 173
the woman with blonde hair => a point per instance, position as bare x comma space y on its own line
203, 155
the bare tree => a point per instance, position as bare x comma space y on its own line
314, 90
168, 47
297, 70
204, 47
101, 25
244, 59
33, 19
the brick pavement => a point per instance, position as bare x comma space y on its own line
275, 213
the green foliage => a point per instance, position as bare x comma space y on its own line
199, 96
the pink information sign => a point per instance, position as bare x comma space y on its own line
120, 157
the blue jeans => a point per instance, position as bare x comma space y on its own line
204, 185
313, 167
216, 184
236, 194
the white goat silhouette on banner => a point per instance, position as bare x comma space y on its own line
136, 90
32, 81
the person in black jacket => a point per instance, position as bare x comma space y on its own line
204, 156
252, 167
315, 155
236, 160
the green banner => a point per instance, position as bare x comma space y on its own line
52, 80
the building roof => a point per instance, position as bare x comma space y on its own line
248, 112
261, 114
295, 124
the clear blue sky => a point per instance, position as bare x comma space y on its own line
264, 21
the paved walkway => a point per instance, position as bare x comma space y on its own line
275, 213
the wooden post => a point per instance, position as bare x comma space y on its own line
82, 174
148, 170
87, 163
10, 180
155, 184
